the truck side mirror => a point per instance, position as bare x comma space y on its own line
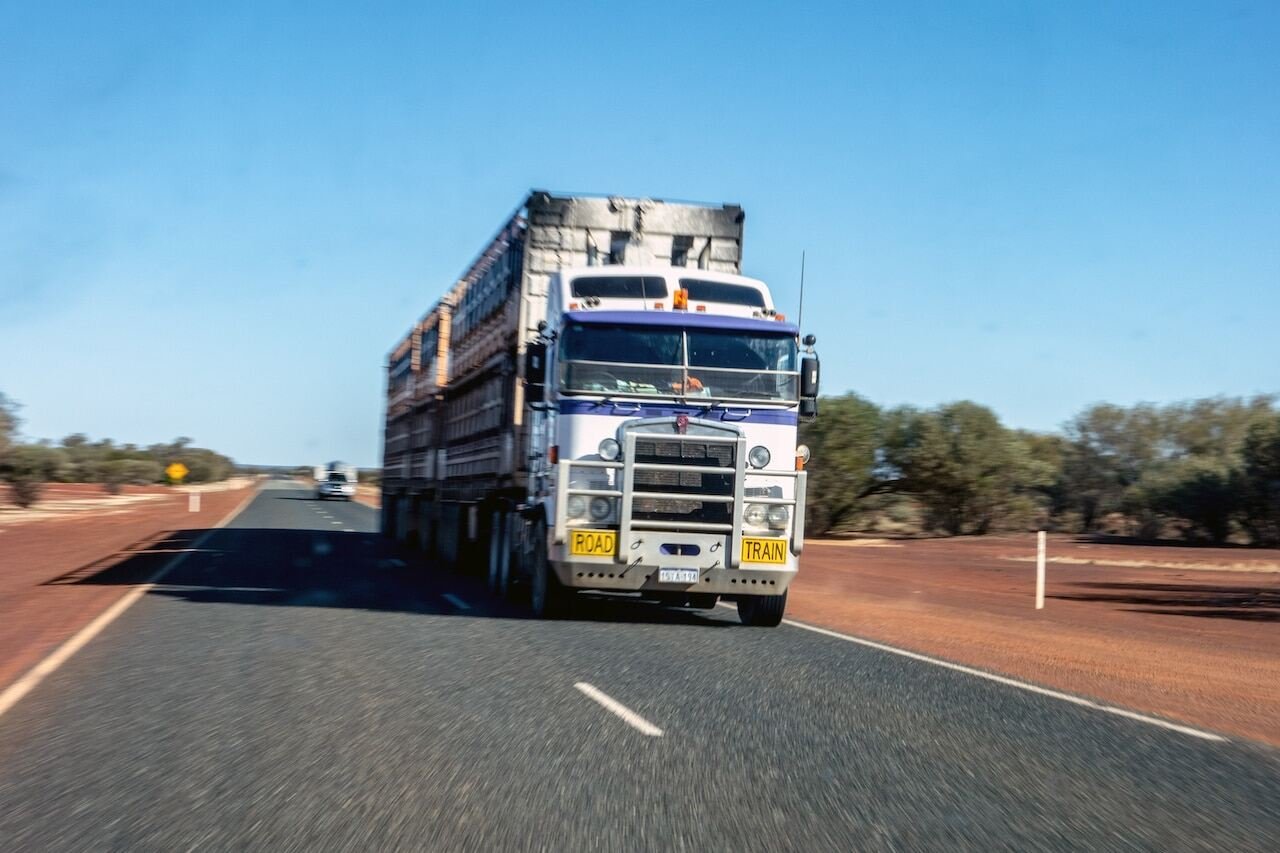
535, 372
809, 376
808, 407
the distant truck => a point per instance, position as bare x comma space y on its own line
603, 402
335, 480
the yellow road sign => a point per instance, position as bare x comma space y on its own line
176, 471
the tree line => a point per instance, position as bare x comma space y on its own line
1204, 470
26, 467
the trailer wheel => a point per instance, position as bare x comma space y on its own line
762, 611
511, 557
388, 517
497, 542
501, 546
547, 598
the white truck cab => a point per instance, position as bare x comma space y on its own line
670, 408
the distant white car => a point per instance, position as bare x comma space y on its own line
336, 485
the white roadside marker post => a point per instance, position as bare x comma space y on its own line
1040, 570
193, 502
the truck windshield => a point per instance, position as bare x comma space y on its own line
665, 362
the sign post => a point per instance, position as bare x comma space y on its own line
176, 472
1040, 570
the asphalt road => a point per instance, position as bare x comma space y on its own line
290, 687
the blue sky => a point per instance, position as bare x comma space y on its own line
215, 219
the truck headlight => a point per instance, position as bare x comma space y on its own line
609, 449
756, 515
778, 516
576, 506
802, 450
759, 456
601, 508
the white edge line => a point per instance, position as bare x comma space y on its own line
455, 601
628, 716
1011, 682
14, 693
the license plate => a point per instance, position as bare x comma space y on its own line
677, 575
592, 543
756, 550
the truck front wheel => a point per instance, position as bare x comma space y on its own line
547, 598
762, 611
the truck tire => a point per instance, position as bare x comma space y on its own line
388, 517
511, 556
547, 599
762, 611
497, 528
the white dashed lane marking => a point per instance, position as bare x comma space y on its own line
627, 715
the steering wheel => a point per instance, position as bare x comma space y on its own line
604, 375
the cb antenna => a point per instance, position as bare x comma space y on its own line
800, 313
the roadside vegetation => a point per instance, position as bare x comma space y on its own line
1203, 471
27, 467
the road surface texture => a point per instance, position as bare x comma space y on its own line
290, 687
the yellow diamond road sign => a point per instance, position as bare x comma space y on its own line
176, 471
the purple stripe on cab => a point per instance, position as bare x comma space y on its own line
683, 319
632, 409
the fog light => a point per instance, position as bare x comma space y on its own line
778, 516
601, 508
759, 456
802, 451
576, 506
609, 450
755, 514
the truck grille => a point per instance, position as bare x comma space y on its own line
681, 451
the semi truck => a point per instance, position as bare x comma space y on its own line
602, 401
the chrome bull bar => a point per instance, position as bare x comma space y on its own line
625, 495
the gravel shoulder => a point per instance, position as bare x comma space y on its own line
57, 574
1194, 645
